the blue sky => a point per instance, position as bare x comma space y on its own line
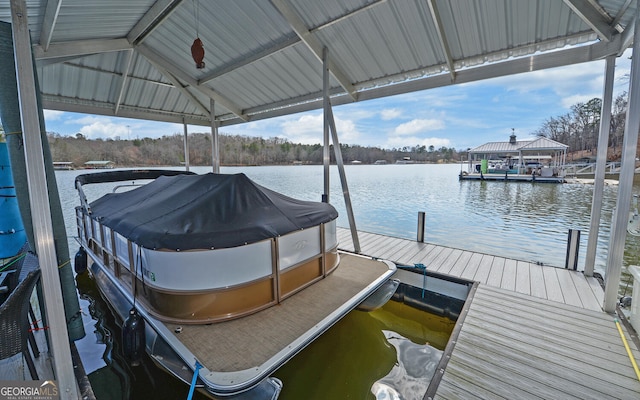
458, 116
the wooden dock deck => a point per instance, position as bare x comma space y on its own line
530, 331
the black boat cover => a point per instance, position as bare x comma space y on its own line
211, 211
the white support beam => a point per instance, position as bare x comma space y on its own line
442, 37
80, 48
627, 37
215, 144
123, 83
49, 22
601, 161
40, 204
173, 70
620, 217
592, 17
159, 11
313, 44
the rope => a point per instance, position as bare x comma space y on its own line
64, 263
192, 387
13, 133
626, 346
16, 259
424, 276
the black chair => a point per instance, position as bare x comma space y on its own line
14, 322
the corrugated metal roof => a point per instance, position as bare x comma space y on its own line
539, 144
132, 58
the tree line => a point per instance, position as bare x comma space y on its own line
579, 127
233, 150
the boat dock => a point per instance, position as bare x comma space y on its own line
510, 177
529, 331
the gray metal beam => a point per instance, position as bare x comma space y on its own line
186, 146
178, 85
539, 62
601, 161
39, 202
215, 144
49, 22
592, 17
80, 48
123, 82
158, 12
158, 60
442, 37
313, 44
625, 186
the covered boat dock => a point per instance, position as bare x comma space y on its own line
263, 59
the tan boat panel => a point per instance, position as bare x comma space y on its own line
252, 340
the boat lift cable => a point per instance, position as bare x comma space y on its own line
626, 346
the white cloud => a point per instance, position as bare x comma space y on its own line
399, 142
309, 128
53, 115
104, 128
390, 113
418, 125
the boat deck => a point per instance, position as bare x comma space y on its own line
260, 338
530, 331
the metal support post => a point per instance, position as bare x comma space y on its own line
39, 201
421, 221
186, 145
325, 105
627, 170
215, 148
601, 161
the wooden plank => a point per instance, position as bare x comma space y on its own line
495, 275
537, 281
523, 280
509, 275
556, 377
552, 285
569, 291
461, 263
423, 253
449, 262
585, 293
472, 266
428, 258
439, 259
398, 248
409, 252
482, 273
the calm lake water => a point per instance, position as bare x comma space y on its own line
517, 220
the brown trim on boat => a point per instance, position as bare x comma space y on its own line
210, 306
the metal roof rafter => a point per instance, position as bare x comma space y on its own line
123, 84
158, 12
442, 37
313, 44
592, 17
79, 48
174, 72
49, 22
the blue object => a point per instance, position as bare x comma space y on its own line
12, 235
194, 380
424, 276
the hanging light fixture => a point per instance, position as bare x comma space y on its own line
197, 49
